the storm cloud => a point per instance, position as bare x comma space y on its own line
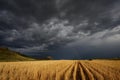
64, 29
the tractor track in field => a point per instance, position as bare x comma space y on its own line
59, 70
107, 72
96, 74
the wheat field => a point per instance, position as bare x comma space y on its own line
61, 70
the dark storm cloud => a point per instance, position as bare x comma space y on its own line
61, 28
40, 9
95, 11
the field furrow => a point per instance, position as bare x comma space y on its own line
61, 74
68, 75
89, 75
108, 72
60, 70
97, 75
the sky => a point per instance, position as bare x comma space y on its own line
63, 29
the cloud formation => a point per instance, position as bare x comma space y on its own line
64, 29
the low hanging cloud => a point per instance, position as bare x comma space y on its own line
54, 32
101, 44
63, 29
39, 38
108, 36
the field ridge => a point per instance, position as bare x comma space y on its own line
60, 70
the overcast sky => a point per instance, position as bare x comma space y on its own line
63, 29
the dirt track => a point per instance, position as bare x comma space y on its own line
61, 70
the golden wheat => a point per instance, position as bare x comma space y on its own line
61, 70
